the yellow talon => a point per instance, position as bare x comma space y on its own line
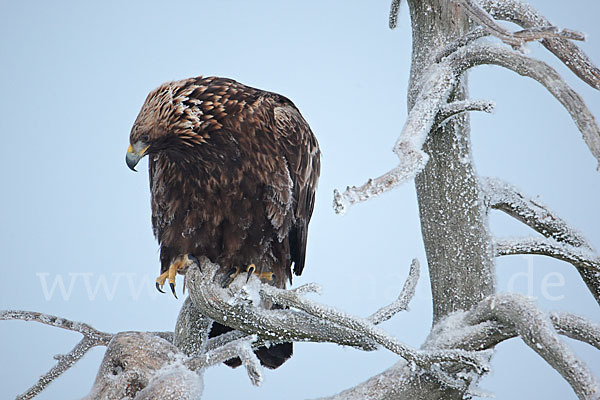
180, 264
250, 270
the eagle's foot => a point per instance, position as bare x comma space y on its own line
250, 270
180, 265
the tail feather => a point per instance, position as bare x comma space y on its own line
271, 357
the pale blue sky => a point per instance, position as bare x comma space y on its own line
73, 78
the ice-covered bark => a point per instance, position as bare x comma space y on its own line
568, 52
562, 241
91, 338
306, 320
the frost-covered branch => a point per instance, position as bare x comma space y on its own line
434, 94
478, 54
233, 307
435, 90
515, 39
566, 242
526, 16
457, 107
537, 331
144, 366
505, 197
580, 258
394, 10
305, 321
241, 348
576, 327
401, 303
91, 338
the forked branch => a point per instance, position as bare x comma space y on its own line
537, 331
478, 54
527, 17
563, 241
515, 39
306, 320
91, 338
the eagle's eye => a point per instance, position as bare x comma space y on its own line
145, 138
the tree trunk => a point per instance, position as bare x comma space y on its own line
453, 218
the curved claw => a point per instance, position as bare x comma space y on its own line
172, 285
250, 270
194, 260
158, 287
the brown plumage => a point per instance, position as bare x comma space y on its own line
233, 173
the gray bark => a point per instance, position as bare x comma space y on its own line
453, 220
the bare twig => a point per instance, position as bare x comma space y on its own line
394, 11
408, 147
478, 54
459, 107
526, 16
516, 39
219, 354
505, 197
401, 303
576, 327
91, 338
580, 258
462, 41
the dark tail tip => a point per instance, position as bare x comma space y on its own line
274, 356
271, 357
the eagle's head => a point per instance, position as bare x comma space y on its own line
175, 117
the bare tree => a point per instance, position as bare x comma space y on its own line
470, 317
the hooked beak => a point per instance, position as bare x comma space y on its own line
135, 154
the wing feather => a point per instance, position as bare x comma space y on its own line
303, 156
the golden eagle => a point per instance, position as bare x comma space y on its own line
233, 172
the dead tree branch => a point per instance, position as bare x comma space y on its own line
580, 258
401, 303
91, 338
516, 39
526, 16
576, 327
435, 90
564, 242
458, 107
537, 331
507, 198
479, 54
313, 322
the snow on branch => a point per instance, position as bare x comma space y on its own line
493, 321
527, 17
576, 327
91, 338
479, 54
457, 107
580, 258
564, 242
237, 348
305, 320
435, 92
394, 10
505, 197
406, 295
537, 331
516, 39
